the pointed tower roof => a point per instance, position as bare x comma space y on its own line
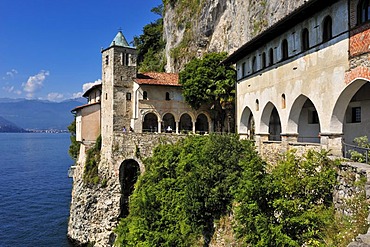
120, 40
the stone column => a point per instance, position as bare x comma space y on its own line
287, 138
159, 126
177, 127
259, 139
332, 142
194, 127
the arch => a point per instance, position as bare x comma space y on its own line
254, 64
271, 57
354, 97
168, 122
327, 31
263, 60
363, 11
247, 124
202, 125
305, 39
129, 172
150, 123
186, 123
270, 122
284, 50
304, 120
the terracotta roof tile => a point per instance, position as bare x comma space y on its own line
154, 78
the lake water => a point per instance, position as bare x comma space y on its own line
35, 190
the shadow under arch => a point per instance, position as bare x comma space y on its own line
129, 172
339, 111
247, 124
304, 120
270, 122
150, 122
202, 124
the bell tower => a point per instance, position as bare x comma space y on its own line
118, 73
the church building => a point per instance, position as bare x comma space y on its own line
132, 102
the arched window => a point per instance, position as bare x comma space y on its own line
244, 69
363, 11
327, 33
254, 64
284, 49
305, 40
145, 95
257, 105
263, 60
167, 96
271, 57
283, 101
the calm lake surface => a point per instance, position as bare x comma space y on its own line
35, 190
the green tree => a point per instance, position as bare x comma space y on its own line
289, 206
74, 148
206, 81
150, 45
185, 188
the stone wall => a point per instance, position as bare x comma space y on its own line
95, 210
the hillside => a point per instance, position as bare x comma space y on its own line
215, 26
7, 126
37, 114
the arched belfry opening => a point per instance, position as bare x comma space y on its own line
128, 175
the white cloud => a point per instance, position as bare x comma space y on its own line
85, 87
35, 83
55, 96
12, 72
88, 85
77, 95
11, 89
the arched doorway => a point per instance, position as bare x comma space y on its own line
128, 175
274, 126
186, 125
247, 124
168, 123
357, 115
150, 123
304, 120
270, 122
201, 125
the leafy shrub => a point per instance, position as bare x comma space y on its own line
361, 142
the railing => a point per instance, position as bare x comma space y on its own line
347, 148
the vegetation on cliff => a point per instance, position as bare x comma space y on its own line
74, 147
150, 45
205, 81
189, 186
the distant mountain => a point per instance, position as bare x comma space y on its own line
39, 114
7, 126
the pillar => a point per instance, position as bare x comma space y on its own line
177, 127
332, 142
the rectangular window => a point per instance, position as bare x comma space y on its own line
356, 114
128, 96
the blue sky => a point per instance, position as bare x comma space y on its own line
50, 49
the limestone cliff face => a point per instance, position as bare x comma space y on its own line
193, 29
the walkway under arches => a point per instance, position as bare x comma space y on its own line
270, 122
247, 124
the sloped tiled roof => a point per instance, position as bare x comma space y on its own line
155, 78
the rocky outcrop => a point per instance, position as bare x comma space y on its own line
217, 25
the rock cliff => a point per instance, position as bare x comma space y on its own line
195, 27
